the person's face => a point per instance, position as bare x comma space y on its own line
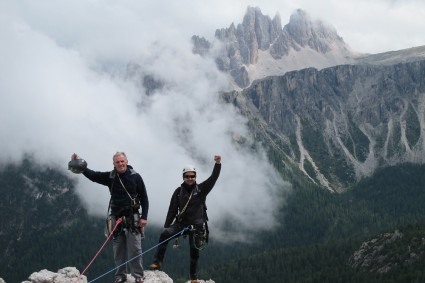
120, 163
189, 178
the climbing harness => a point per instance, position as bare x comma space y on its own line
126, 223
199, 234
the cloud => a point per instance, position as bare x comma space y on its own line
59, 96
372, 27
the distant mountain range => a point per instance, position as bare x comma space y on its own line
335, 114
332, 113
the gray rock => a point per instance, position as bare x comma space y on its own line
64, 275
72, 275
360, 117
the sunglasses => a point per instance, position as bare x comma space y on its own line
189, 176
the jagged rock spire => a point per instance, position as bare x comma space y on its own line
315, 35
246, 45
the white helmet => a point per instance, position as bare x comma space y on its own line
189, 168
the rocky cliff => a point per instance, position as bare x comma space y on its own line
340, 124
388, 252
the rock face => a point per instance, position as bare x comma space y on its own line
340, 124
388, 252
64, 275
260, 47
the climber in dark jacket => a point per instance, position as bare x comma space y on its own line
188, 209
128, 196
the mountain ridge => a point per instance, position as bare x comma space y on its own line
259, 41
341, 123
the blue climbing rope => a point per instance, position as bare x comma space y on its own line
104, 274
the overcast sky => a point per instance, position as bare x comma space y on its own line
61, 90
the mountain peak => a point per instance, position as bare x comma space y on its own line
260, 47
314, 34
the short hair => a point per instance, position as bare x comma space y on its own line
118, 153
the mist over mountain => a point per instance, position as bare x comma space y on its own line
337, 124
259, 46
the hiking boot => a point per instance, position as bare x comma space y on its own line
139, 280
120, 280
155, 266
193, 278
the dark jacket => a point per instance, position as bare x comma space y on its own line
195, 212
120, 201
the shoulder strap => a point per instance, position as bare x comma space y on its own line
184, 208
112, 175
133, 200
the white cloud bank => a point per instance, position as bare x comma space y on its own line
60, 97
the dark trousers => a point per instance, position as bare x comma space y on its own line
172, 232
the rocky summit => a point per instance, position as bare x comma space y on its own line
72, 275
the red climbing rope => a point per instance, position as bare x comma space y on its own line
119, 220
